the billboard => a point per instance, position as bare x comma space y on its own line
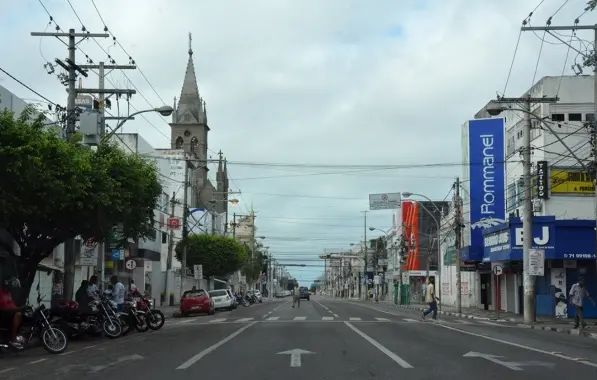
487, 176
386, 201
410, 232
567, 181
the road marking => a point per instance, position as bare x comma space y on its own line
38, 361
213, 347
462, 321
410, 320
354, 319
88, 347
514, 366
187, 321
66, 353
7, 370
382, 319
401, 362
590, 364
327, 318
492, 323
245, 319
336, 315
218, 320
118, 361
272, 318
295, 356
300, 318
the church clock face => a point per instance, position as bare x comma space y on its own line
187, 133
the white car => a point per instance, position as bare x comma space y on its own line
222, 299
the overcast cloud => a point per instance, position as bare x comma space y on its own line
311, 82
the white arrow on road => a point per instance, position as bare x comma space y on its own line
514, 366
295, 356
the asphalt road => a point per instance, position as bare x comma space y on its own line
323, 339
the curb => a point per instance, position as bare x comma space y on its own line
534, 327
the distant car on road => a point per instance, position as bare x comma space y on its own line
305, 294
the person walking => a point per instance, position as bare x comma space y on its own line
578, 292
118, 293
296, 297
431, 299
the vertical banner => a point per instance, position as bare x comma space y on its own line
542, 180
487, 176
410, 231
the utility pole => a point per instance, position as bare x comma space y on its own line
527, 217
457, 244
185, 229
234, 226
375, 256
170, 243
365, 256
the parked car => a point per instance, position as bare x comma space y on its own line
305, 294
234, 301
196, 301
222, 299
257, 295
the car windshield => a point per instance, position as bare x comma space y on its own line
218, 293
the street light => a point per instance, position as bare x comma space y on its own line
163, 110
407, 194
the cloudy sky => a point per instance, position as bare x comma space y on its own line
307, 83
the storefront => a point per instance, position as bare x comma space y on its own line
569, 247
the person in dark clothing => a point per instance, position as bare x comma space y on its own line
81, 296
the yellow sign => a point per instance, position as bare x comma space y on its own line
571, 182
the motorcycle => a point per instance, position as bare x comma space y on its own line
242, 300
132, 318
154, 317
36, 323
76, 322
107, 317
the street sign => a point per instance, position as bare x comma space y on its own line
386, 201
498, 270
174, 223
198, 272
131, 264
115, 254
537, 262
89, 253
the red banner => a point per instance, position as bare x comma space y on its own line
410, 231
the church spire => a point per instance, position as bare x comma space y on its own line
190, 106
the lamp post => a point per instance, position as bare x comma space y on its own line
439, 250
163, 110
213, 213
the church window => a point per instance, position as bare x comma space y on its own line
179, 142
194, 145
187, 133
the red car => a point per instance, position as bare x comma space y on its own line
196, 301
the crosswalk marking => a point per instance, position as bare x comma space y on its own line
327, 318
272, 318
300, 318
410, 320
491, 323
217, 320
354, 319
464, 322
245, 319
382, 319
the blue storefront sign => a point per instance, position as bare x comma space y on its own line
487, 180
560, 239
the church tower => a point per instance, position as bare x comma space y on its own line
189, 127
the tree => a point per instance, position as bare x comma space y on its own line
219, 255
53, 190
253, 266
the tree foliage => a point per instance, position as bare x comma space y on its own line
219, 255
254, 265
53, 190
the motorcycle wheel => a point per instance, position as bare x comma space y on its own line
124, 322
143, 324
156, 320
54, 340
112, 328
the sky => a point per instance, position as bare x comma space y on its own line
307, 84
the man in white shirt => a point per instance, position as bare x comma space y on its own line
118, 293
296, 297
431, 299
577, 294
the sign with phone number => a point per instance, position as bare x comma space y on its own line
579, 255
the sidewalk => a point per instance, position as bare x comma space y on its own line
565, 326
168, 310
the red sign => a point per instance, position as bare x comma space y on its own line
174, 223
410, 231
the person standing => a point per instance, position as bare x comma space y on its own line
431, 299
578, 292
296, 297
118, 293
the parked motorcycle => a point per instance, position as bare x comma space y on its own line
154, 317
36, 323
107, 317
132, 318
76, 322
242, 300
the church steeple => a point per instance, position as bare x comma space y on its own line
190, 108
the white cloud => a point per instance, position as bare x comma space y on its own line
309, 82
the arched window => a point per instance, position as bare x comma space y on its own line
194, 145
179, 142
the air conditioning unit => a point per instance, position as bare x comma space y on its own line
537, 205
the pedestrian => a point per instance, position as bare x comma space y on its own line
431, 299
118, 293
577, 294
296, 297
92, 289
132, 287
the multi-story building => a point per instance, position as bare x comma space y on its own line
562, 198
